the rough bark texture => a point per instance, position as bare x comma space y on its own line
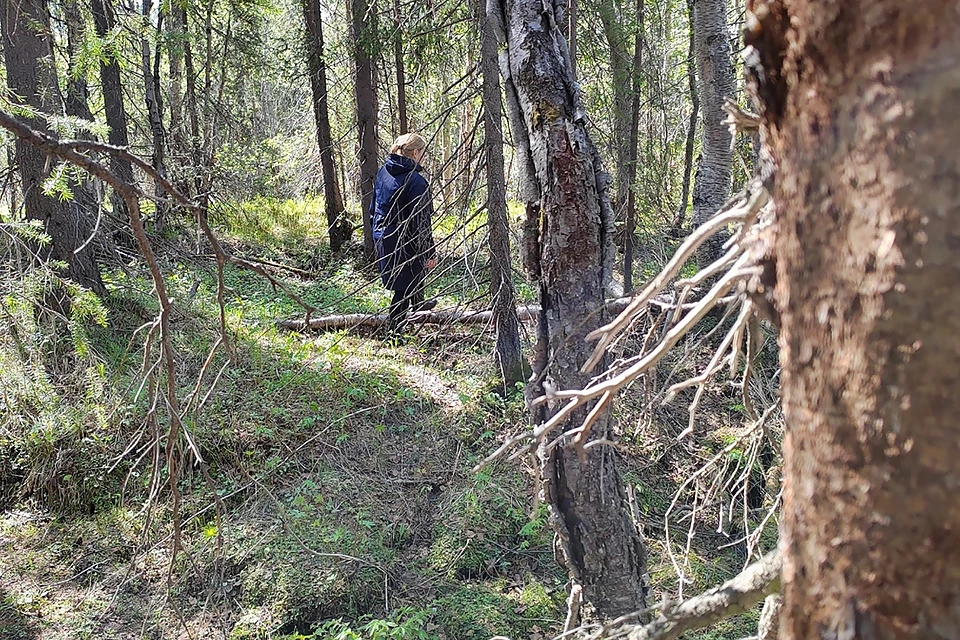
768, 627
633, 154
715, 70
150, 66
103, 22
76, 104
691, 130
600, 545
859, 100
338, 226
503, 300
31, 75
398, 63
365, 91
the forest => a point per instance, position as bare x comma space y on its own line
669, 350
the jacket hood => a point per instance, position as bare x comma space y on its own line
398, 165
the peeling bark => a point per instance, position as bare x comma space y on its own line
600, 545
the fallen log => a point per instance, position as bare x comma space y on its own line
442, 316
525, 313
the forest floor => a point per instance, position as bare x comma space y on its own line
343, 502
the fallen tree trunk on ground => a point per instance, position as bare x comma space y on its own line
525, 313
443, 316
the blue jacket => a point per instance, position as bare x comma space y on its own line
400, 214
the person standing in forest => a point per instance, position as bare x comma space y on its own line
400, 213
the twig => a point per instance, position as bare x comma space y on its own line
734, 596
741, 211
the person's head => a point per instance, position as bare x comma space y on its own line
411, 145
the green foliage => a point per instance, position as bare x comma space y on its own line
479, 611
405, 623
468, 543
54, 428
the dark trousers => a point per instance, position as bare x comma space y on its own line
405, 299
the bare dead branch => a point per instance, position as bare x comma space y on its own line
736, 595
740, 211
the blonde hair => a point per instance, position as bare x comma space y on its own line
408, 142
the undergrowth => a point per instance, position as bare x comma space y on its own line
343, 504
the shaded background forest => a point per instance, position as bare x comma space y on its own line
335, 493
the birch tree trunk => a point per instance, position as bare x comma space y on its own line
338, 226
859, 101
600, 545
691, 130
715, 70
508, 355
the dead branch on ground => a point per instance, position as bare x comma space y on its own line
526, 313
734, 596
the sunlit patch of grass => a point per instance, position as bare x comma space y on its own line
271, 222
482, 610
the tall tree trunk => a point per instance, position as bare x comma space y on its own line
176, 24
76, 104
338, 226
198, 188
612, 18
398, 63
103, 22
633, 155
31, 77
152, 96
859, 104
365, 91
600, 545
691, 130
571, 35
715, 69
508, 356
